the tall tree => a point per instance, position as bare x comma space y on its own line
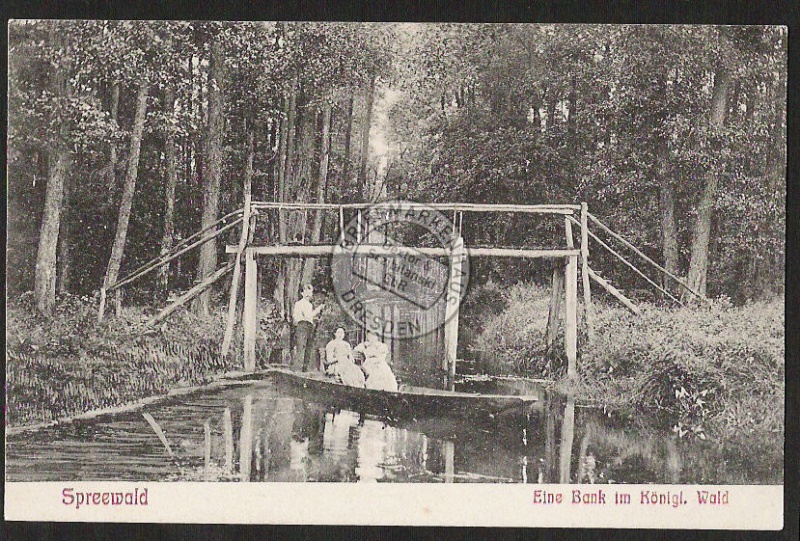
64, 240
322, 186
698, 264
171, 181
128, 190
60, 159
348, 136
212, 170
365, 130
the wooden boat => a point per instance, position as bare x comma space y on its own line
407, 402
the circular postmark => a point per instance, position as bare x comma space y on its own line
400, 269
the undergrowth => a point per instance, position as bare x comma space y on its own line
68, 363
704, 371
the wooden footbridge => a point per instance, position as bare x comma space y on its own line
572, 254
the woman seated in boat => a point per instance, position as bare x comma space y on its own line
375, 366
339, 361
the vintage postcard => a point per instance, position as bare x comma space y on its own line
396, 273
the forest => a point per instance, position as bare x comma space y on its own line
126, 138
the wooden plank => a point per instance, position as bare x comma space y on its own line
571, 304
455, 284
555, 304
587, 292
643, 256
160, 433
237, 271
571, 315
159, 261
615, 292
366, 250
189, 295
179, 253
633, 267
449, 461
250, 310
408, 205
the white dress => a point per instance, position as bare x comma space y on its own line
339, 355
379, 374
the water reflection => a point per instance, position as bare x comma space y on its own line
256, 433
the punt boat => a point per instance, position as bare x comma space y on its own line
407, 402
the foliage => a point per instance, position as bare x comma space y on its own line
611, 115
701, 371
710, 370
513, 340
68, 364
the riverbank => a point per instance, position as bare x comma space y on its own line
711, 371
68, 365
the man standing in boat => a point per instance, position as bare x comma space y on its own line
304, 315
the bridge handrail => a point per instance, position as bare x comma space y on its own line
403, 205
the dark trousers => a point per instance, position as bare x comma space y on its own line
304, 344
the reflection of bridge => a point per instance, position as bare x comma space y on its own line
359, 215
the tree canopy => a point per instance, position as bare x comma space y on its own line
127, 136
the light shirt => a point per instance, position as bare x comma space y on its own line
303, 311
337, 350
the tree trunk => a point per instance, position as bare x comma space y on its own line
118, 248
111, 179
572, 119
322, 185
365, 128
64, 251
302, 172
169, 196
58, 169
212, 172
287, 156
281, 294
45, 276
669, 229
551, 114
348, 134
554, 312
698, 264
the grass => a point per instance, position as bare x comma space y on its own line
68, 364
711, 371
512, 339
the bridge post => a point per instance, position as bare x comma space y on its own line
587, 295
237, 271
250, 315
454, 286
571, 305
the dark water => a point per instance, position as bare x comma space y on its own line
273, 436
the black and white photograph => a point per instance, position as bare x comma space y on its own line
356, 254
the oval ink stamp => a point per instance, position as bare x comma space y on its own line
400, 269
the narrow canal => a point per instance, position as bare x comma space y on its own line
257, 432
